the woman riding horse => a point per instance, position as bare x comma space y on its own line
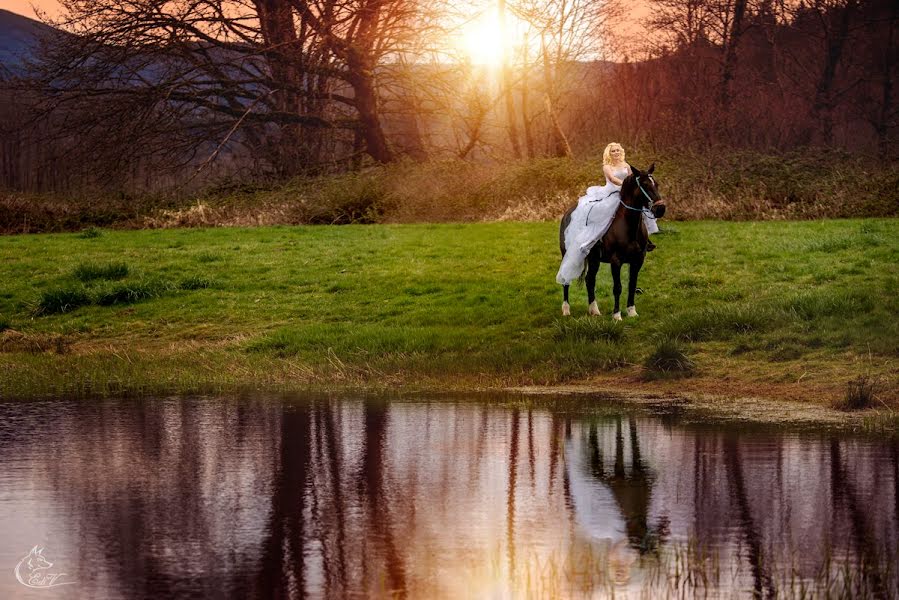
624, 238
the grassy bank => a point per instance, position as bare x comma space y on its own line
777, 309
803, 184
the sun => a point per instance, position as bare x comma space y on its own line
483, 42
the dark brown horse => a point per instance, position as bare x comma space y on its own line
624, 242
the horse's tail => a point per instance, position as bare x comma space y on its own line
582, 277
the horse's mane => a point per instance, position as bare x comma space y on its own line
628, 185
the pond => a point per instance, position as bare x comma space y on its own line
449, 497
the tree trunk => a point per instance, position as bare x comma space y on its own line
507, 85
730, 59
822, 109
362, 79
561, 147
281, 53
528, 134
366, 102
479, 113
882, 126
413, 139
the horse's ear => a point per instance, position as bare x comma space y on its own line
635, 171
652, 168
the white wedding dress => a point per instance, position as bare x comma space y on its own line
589, 222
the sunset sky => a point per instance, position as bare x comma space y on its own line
473, 42
24, 7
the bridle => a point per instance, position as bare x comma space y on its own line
646, 211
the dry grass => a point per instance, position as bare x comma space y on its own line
206, 215
736, 185
34, 343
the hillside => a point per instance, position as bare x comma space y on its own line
19, 36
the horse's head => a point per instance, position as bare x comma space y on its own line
642, 187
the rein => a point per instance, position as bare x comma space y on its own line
645, 211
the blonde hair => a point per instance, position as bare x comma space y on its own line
607, 153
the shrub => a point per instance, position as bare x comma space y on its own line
733, 185
90, 272
89, 233
588, 329
785, 352
208, 257
812, 305
130, 293
861, 393
669, 359
345, 199
5, 324
573, 360
62, 300
717, 322
194, 283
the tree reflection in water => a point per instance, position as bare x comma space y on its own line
321, 496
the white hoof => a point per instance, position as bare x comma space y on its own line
566, 310
593, 309
632, 311
616, 316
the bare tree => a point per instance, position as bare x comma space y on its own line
569, 33
680, 24
525, 99
835, 26
511, 124
885, 115
732, 30
560, 145
175, 77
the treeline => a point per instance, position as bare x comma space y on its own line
774, 74
142, 96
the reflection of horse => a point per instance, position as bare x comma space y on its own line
632, 490
614, 505
624, 242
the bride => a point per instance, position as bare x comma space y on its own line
594, 213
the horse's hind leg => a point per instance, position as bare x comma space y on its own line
632, 288
616, 289
566, 309
590, 280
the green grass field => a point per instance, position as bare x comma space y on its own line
736, 307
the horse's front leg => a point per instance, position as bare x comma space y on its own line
590, 280
616, 289
632, 287
566, 308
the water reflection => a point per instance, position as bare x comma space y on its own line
327, 497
